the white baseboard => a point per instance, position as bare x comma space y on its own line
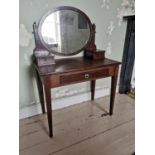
35, 109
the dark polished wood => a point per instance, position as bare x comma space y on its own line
113, 89
69, 65
76, 70
91, 46
47, 86
92, 88
41, 92
53, 73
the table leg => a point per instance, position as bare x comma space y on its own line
49, 107
92, 88
41, 92
113, 90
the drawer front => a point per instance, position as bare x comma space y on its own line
85, 76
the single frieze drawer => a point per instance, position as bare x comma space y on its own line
84, 76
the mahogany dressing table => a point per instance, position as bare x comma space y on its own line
52, 73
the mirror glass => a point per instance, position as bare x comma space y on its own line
65, 32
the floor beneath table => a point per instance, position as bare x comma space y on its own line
82, 129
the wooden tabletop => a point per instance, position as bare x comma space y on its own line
74, 64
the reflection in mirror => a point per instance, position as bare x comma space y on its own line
65, 31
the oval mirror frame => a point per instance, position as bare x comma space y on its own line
59, 9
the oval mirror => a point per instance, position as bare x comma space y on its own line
65, 31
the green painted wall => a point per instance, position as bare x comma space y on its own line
101, 12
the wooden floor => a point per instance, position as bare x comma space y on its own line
82, 129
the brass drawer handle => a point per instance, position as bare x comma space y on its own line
86, 76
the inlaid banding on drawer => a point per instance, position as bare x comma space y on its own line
85, 76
